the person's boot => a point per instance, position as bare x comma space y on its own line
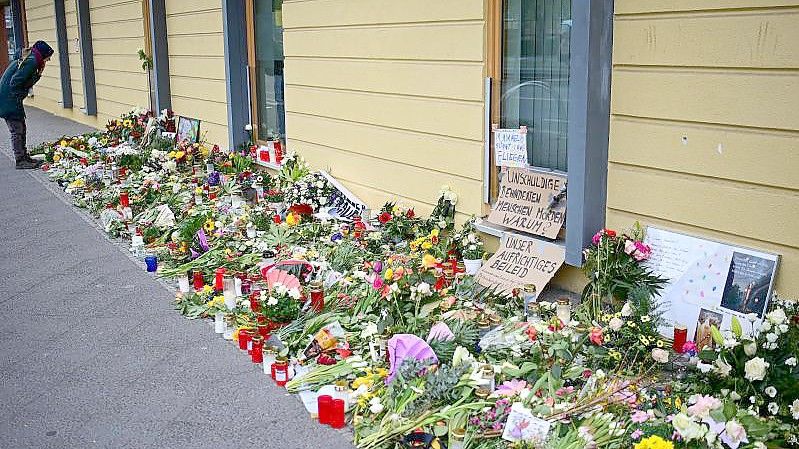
26, 164
35, 161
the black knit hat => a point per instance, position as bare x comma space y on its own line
45, 50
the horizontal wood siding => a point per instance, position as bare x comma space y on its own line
704, 131
197, 64
389, 96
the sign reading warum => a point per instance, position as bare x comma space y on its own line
520, 261
524, 201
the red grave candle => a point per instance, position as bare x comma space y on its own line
257, 349
337, 414
273, 370
324, 403
198, 280
244, 338
281, 373
219, 282
278, 153
680, 337
317, 294
124, 199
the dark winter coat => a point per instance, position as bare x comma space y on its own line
17, 80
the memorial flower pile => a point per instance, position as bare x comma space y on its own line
376, 320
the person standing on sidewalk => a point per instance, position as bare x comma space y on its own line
17, 80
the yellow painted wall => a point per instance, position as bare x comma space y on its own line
197, 64
117, 34
388, 96
704, 129
196, 53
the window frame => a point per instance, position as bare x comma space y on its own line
249, 11
589, 117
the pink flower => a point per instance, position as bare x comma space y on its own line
596, 238
587, 373
639, 417
703, 405
596, 336
637, 434
511, 387
642, 251
532, 333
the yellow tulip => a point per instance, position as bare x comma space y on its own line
389, 274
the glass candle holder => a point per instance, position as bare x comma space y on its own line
198, 280
680, 337
219, 279
152, 263
219, 323
183, 283
270, 356
529, 296
317, 295
124, 199
257, 349
229, 290
281, 372
244, 338
563, 310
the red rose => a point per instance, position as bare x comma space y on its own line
410, 214
610, 233
384, 218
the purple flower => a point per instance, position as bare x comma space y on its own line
637, 434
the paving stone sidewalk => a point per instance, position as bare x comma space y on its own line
93, 355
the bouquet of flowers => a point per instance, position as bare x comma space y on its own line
614, 267
313, 190
280, 304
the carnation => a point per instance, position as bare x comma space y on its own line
660, 355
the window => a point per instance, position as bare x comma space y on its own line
549, 63
265, 60
535, 76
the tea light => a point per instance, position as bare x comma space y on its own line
324, 403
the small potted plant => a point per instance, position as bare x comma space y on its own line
472, 251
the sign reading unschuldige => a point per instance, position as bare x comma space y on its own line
528, 202
521, 261
510, 147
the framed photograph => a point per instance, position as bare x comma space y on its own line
188, 129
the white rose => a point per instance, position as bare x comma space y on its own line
627, 310
795, 409
777, 317
660, 355
616, 323
755, 369
791, 361
687, 428
766, 326
783, 328
735, 396
771, 337
773, 408
272, 301
770, 391
750, 348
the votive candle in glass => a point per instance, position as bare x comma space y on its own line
281, 372
257, 349
229, 290
317, 294
183, 283
124, 199
219, 280
680, 337
244, 338
198, 280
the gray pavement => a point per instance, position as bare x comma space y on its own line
93, 355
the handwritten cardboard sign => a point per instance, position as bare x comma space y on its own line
344, 203
524, 202
521, 261
510, 147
